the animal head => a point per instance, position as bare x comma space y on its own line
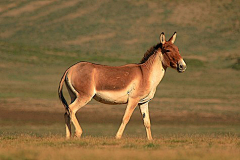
171, 55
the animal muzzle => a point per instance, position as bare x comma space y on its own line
181, 66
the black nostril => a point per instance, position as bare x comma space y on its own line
181, 66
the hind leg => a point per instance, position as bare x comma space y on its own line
79, 98
67, 113
74, 107
67, 125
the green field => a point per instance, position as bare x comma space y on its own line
194, 115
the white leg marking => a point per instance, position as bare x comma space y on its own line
146, 119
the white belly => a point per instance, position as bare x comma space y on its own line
112, 97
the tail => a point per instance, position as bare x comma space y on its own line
60, 93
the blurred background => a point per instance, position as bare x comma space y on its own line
39, 40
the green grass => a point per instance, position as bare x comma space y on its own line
170, 142
133, 130
195, 63
173, 147
236, 65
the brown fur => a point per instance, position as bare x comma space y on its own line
132, 84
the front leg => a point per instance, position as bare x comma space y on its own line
146, 119
132, 104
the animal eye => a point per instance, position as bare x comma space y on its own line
167, 50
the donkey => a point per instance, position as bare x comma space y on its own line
131, 84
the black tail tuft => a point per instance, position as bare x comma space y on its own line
64, 102
60, 93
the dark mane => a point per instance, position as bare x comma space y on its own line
150, 52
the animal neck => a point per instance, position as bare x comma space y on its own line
153, 68
151, 61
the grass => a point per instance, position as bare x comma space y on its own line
175, 147
170, 142
236, 64
195, 115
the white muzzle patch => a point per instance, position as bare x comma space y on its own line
181, 66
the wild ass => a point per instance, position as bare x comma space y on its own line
131, 84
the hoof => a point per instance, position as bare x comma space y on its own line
118, 137
68, 137
78, 135
150, 139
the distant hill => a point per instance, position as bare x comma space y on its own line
106, 30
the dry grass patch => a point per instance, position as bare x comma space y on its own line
81, 12
175, 147
30, 7
58, 6
83, 39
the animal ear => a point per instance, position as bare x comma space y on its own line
173, 38
162, 38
